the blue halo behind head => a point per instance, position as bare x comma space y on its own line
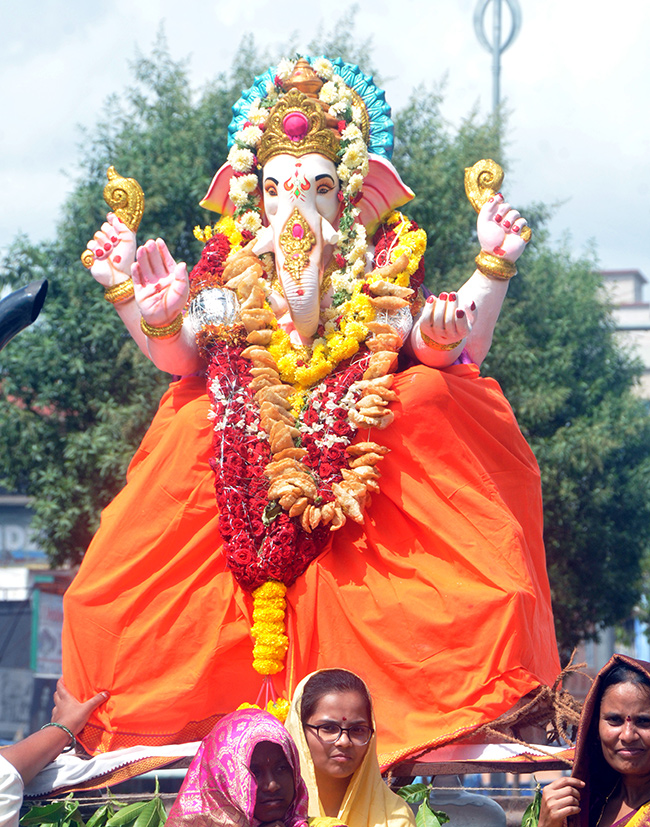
381, 125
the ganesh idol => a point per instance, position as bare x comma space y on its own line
328, 481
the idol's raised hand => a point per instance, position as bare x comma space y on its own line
114, 249
499, 229
161, 284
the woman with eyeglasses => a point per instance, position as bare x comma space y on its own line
332, 723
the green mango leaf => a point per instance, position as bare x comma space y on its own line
531, 815
72, 814
414, 793
47, 814
127, 815
149, 816
162, 812
426, 817
100, 816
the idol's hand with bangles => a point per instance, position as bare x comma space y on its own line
160, 283
113, 246
500, 229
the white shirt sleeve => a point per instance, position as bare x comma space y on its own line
11, 794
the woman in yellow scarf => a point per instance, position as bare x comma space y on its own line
332, 723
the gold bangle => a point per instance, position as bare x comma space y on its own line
163, 332
119, 292
495, 268
428, 341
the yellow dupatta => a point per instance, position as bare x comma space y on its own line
368, 802
641, 818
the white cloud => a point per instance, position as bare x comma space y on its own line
576, 80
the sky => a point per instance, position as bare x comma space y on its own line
576, 81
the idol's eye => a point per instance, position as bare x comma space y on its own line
270, 188
324, 188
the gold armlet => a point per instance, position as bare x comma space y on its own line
164, 332
495, 268
119, 292
428, 341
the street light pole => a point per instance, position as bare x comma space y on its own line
497, 46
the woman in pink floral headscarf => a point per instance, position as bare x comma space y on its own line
246, 773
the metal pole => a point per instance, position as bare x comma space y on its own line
497, 45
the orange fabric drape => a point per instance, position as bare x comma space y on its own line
440, 601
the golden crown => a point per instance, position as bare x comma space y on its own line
296, 126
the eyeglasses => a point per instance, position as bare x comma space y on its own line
359, 734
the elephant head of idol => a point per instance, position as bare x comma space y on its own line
319, 190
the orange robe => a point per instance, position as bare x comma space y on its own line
439, 601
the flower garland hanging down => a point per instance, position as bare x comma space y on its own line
285, 416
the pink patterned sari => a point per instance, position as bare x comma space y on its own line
219, 788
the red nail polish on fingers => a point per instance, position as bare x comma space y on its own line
431, 299
516, 229
114, 239
452, 297
498, 218
472, 306
108, 246
460, 313
506, 224
99, 253
443, 297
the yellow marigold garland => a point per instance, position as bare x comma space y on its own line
278, 708
225, 225
268, 630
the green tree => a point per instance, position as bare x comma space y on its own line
571, 385
558, 360
78, 394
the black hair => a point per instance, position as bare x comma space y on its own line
328, 681
623, 673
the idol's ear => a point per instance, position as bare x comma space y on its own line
217, 197
383, 191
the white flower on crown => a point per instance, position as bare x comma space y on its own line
241, 160
250, 135
237, 194
337, 109
249, 183
285, 68
354, 155
343, 173
257, 114
355, 183
352, 133
250, 221
357, 114
328, 93
323, 68
241, 186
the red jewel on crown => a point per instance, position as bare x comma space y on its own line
295, 126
